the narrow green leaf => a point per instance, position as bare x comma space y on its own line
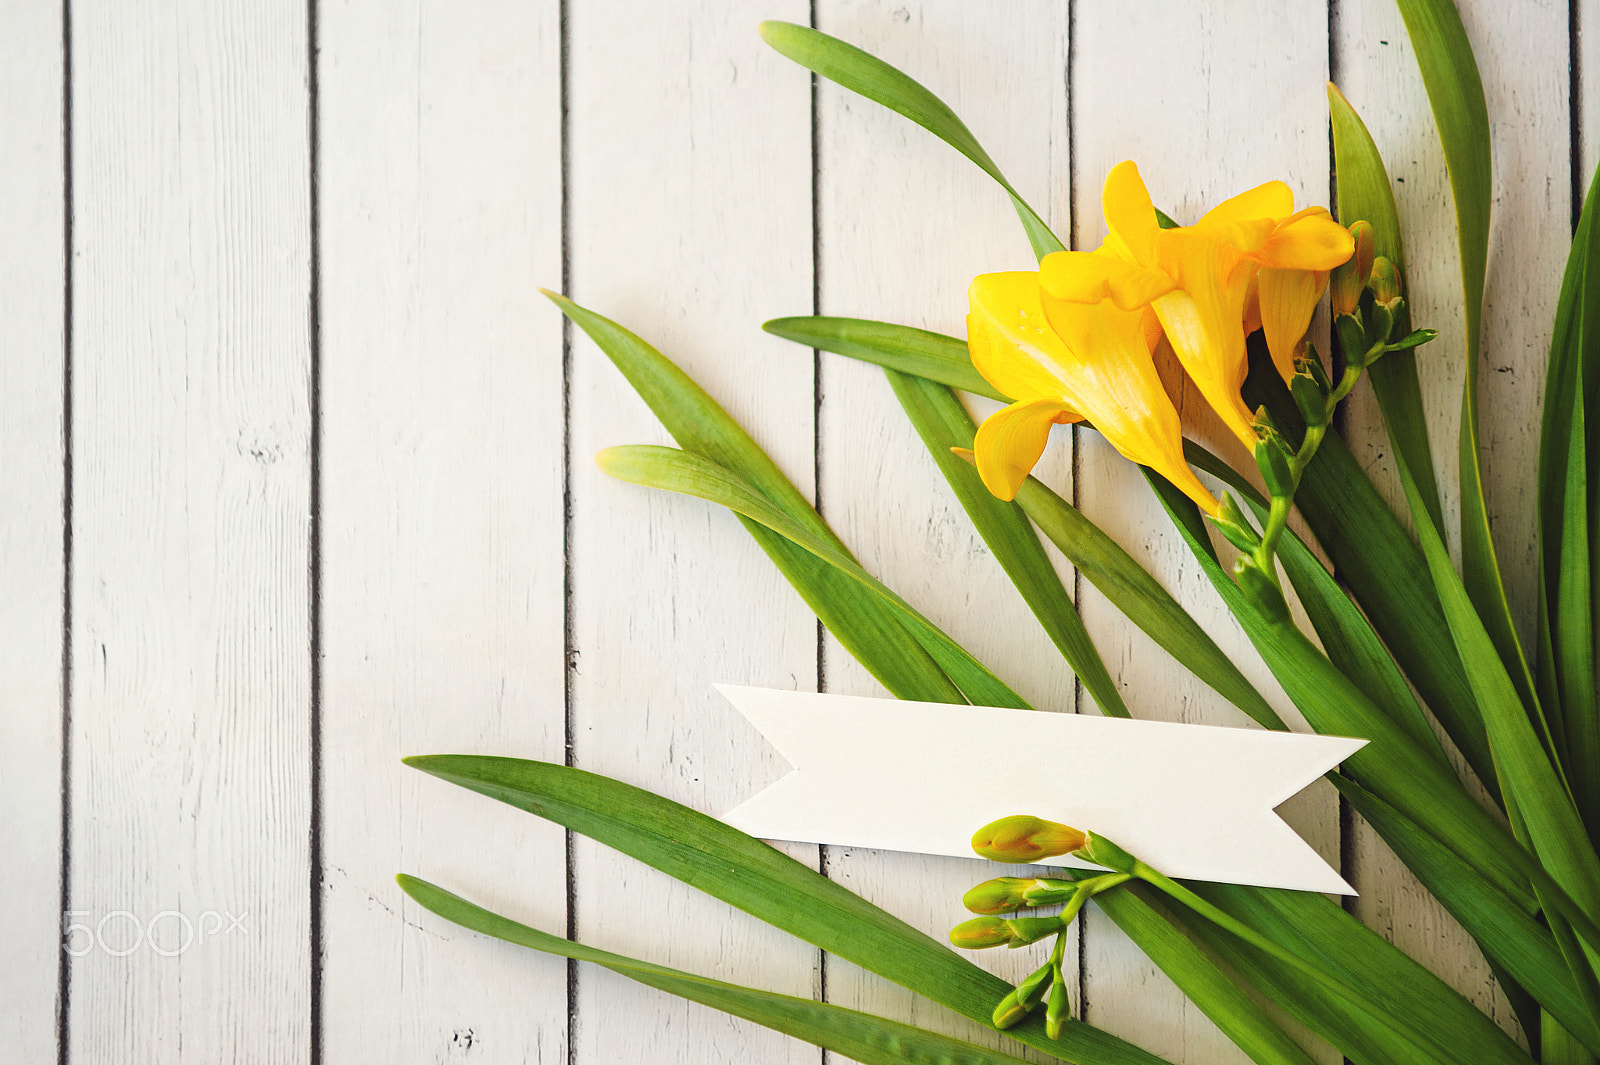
748, 874
1508, 935
864, 624
1455, 89
672, 470
1566, 673
1534, 787
881, 83
943, 423
898, 347
1365, 194
1346, 635
861, 1036
1376, 558
1155, 930
1141, 598
1393, 764
1319, 931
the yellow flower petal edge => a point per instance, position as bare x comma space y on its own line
1010, 441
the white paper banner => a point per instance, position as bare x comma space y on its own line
1193, 801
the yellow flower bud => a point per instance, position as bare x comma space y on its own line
1022, 839
1348, 280
981, 932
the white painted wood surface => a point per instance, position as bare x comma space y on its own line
331, 500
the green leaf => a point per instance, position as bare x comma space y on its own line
672, 470
1566, 673
1141, 598
864, 624
943, 423
1346, 635
1365, 193
898, 347
861, 1036
746, 873
1155, 930
1393, 764
1455, 89
881, 83
1376, 558
1507, 934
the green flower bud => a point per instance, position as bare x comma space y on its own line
1056, 1009
1022, 999
1272, 459
1385, 280
1352, 337
1235, 528
1044, 892
1003, 894
1310, 397
980, 933
1022, 839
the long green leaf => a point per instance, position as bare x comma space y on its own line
1383, 567
1455, 90
1393, 764
871, 77
671, 470
864, 624
1205, 983
1365, 194
748, 874
943, 423
1508, 935
863, 1037
1566, 676
1346, 635
1100, 559
898, 347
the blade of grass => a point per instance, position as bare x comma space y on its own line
748, 874
943, 423
1455, 89
863, 1037
866, 74
1365, 194
672, 470
865, 626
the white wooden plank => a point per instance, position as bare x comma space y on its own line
1523, 56
690, 178
190, 663
441, 516
904, 225
1209, 100
31, 191
1585, 24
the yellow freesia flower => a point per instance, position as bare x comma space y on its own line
1064, 362
1200, 279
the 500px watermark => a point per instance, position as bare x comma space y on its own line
168, 933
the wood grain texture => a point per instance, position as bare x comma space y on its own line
1523, 56
1209, 101
31, 479
441, 516
690, 180
904, 223
190, 662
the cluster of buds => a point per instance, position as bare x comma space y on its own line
1023, 839
1370, 316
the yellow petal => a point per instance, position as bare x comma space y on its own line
1288, 298
1273, 200
1010, 441
1129, 213
1310, 240
1085, 277
1010, 339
